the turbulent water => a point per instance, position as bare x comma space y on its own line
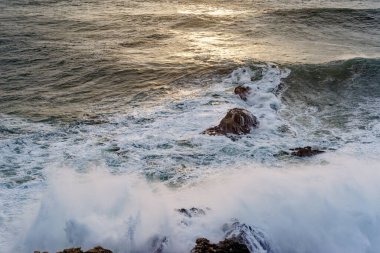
102, 105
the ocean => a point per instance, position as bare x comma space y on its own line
103, 104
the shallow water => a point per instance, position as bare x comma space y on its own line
102, 104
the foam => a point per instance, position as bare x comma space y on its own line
329, 207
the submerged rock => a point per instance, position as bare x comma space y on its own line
155, 244
92, 119
237, 121
242, 91
226, 246
191, 212
305, 151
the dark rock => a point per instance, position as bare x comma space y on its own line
71, 250
242, 91
237, 121
279, 89
191, 212
238, 238
252, 237
226, 246
305, 151
97, 249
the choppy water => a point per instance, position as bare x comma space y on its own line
102, 104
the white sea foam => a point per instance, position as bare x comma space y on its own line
329, 207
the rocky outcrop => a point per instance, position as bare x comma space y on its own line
252, 237
239, 238
98, 249
242, 92
305, 151
237, 121
226, 246
71, 250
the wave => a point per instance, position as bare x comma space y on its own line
361, 18
342, 95
302, 208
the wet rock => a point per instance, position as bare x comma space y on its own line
279, 89
158, 244
71, 250
226, 246
97, 249
191, 212
305, 151
251, 237
238, 238
242, 91
237, 121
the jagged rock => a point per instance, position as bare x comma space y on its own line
226, 246
238, 238
71, 250
191, 212
242, 91
98, 249
253, 238
237, 121
305, 151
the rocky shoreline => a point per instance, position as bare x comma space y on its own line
239, 238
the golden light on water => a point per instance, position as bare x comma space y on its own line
208, 10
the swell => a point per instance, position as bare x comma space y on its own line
365, 18
342, 94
